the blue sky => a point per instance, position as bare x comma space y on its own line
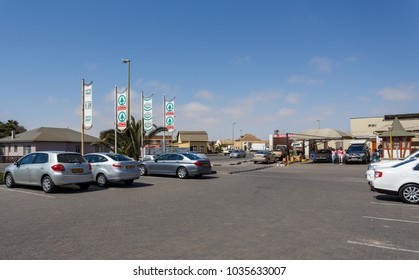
263, 65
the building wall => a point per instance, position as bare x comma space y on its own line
366, 126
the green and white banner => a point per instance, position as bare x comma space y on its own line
148, 113
88, 108
121, 110
169, 106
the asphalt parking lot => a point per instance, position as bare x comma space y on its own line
304, 211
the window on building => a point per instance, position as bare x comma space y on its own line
78, 149
26, 149
372, 125
201, 149
15, 148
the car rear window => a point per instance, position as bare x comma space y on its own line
404, 162
118, 157
70, 158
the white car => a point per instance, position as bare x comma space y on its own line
401, 179
386, 164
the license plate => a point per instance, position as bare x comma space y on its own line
130, 167
77, 170
206, 164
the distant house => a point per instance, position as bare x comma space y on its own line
45, 138
196, 141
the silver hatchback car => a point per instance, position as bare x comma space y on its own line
49, 170
110, 167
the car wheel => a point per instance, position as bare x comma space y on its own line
128, 182
410, 193
182, 172
10, 182
48, 185
143, 170
101, 180
84, 186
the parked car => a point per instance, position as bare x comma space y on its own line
49, 170
238, 154
227, 151
182, 165
109, 167
323, 155
264, 157
401, 179
357, 153
386, 164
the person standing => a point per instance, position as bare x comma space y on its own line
333, 156
341, 155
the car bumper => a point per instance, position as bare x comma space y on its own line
123, 175
263, 160
199, 171
62, 179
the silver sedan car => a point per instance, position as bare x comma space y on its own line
264, 157
238, 154
109, 167
49, 170
182, 165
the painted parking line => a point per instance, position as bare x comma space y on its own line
383, 247
19, 191
392, 220
396, 204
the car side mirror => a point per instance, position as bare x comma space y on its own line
17, 163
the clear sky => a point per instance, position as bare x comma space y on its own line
264, 65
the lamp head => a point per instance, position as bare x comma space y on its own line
125, 60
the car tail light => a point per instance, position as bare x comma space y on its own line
117, 165
198, 163
378, 174
58, 167
90, 166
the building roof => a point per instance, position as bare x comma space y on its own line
397, 131
49, 134
249, 138
189, 136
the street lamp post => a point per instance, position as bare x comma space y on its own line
128, 61
233, 134
390, 129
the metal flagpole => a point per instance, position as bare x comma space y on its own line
164, 124
142, 124
82, 116
116, 120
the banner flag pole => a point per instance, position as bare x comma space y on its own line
82, 116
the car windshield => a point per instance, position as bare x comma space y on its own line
262, 152
356, 148
323, 151
118, 157
70, 158
192, 156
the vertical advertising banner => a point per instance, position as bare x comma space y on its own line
148, 113
121, 110
169, 106
88, 109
